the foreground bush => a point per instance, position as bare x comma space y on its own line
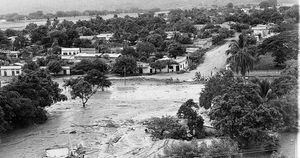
166, 127
187, 111
217, 149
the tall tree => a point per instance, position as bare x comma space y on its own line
241, 114
84, 88
283, 46
240, 55
125, 65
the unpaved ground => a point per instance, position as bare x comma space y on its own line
109, 126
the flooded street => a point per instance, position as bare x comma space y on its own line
109, 126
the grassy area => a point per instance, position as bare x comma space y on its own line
266, 62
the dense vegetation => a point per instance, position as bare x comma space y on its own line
250, 111
24, 99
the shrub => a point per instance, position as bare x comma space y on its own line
192, 66
166, 127
198, 56
195, 122
218, 148
181, 72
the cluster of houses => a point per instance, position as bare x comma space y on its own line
103, 36
75, 55
263, 31
78, 54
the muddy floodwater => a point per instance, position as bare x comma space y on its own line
109, 126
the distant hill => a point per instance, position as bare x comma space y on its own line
26, 6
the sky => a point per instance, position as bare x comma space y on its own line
27, 6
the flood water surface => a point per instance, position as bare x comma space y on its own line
109, 116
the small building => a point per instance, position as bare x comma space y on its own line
203, 43
227, 24
87, 37
88, 50
171, 34
144, 68
12, 38
146, 15
111, 56
105, 36
38, 57
199, 27
19, 64
10, 70
162, 14
116, 50
89, 56
66, 70
180, 63
192, 49
69, 53
10, 54
261, 30
246, 10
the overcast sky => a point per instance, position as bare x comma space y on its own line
26, 6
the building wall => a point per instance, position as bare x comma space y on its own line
69, 54
10, 72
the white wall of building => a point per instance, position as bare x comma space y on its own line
10, 70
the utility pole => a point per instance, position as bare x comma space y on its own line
124, 75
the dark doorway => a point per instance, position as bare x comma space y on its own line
177, 68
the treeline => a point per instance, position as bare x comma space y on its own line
23, 100
276, 16
73, 13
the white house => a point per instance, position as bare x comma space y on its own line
181, 63
105, 36
262, 30
144, 68
12, 38
192, 49
87, 37
69, 53
203, 43
116, 50
10, 54
199, 27
66, 70
171, 34
10, 70
88, 50
111, 56
246, 10
89, 56
162, 14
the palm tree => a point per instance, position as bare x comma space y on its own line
241, 55
264, 87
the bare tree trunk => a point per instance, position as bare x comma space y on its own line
83, 102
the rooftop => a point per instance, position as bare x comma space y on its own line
112, 55
70, 49
10, 67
